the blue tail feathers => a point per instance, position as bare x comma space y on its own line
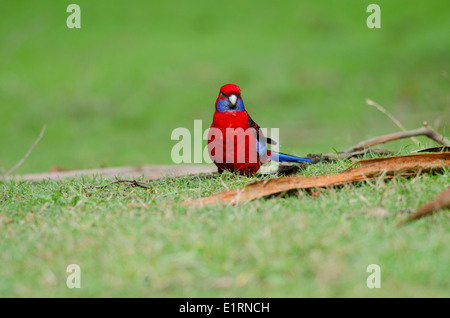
282, 157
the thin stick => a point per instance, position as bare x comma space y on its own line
133, 183
26, 155
384, 111
423, 131
136, 183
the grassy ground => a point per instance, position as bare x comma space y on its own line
128, 242
112, 92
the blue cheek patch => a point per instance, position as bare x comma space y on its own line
239, 105
223, 105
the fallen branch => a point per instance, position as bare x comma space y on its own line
134, 183
442, 202
384, 168
423, 131
395, 120
21, 161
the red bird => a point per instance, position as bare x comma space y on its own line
235, 142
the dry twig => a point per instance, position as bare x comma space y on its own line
134, 183
395, 120
21, 161
423, 131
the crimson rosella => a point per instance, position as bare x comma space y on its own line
235, 141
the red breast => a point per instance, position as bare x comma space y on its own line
238, 154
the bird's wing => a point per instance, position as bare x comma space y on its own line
259, 135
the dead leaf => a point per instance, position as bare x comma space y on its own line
442, 202
362, 170
314, 194
58, 169
222, 282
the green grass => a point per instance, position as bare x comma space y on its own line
129, 242
112, 92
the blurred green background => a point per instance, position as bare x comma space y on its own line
111, 92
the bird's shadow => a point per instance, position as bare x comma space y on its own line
283, 170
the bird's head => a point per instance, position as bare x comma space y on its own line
229, 99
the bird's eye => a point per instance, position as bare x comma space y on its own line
223, 94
